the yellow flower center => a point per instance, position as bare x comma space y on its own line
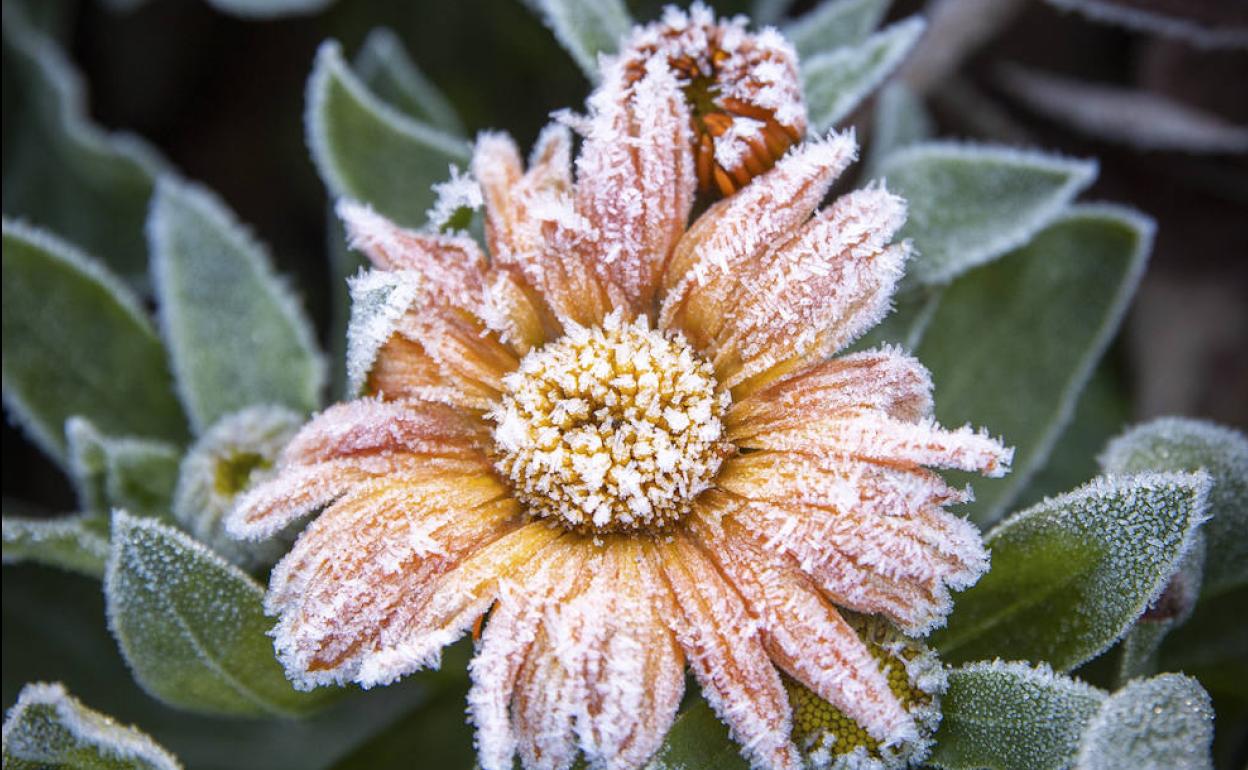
610, 429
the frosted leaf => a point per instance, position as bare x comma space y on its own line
1166, 721
1173, 607
234, 454
48, 727
78, 342
585, 28
77, 543
837, 81
1012, 716
1013, 343
726, 653
1144, 19
388, 70
1073, 573
835, 24
236, 333
379, 299
120, 472
1139, 119
970, 204
1181, 444
368, 150
191, 627
64, 171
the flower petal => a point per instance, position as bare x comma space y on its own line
635, 177
350, 443
376, 551
701, 281
814, 294
726, 653
806, 635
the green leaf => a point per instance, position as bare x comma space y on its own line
836, 81
835, 24
1180, 444
387, 70
235, 453
970, 204
76, 342
132, 473
236, 333
1010, 716
1073, 573
585, 28
1139, 648
899, 120
48, 727
765, 12
366, 149
268, 9
698, 741
75, 543
192, 627
1013, 343
63, 172
1166, 721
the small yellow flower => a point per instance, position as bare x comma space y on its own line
623, 438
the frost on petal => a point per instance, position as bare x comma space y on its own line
874, 538
726, 652
805, 634
814, 294
535, 233
701, 278
350, 443
368, 558
635, 178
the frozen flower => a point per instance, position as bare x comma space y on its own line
624, 439
743, 90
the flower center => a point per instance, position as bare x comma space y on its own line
610, 429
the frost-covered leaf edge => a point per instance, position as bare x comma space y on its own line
610, 21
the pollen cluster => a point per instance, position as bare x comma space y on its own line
610, 429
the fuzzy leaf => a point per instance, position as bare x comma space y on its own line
835, 24
1146, 18
236, 333
698, 740
1072, 574
1172, 608
765, 12
900, 120
386, 69
235, 453
132, 473
1166, 721
76, 342
75, 543
968, 205
192, 627
585, 28
48, 728
836, 81
1180, 444
269, 9
1010, 716
366, 149
63, 172
1013, 343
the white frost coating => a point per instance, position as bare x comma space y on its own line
1166, 721
48, 725
1137, 118
379, 300
587, 29
1175, 444
67, 541
458, 192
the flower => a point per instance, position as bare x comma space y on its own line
624, 440
743, 90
